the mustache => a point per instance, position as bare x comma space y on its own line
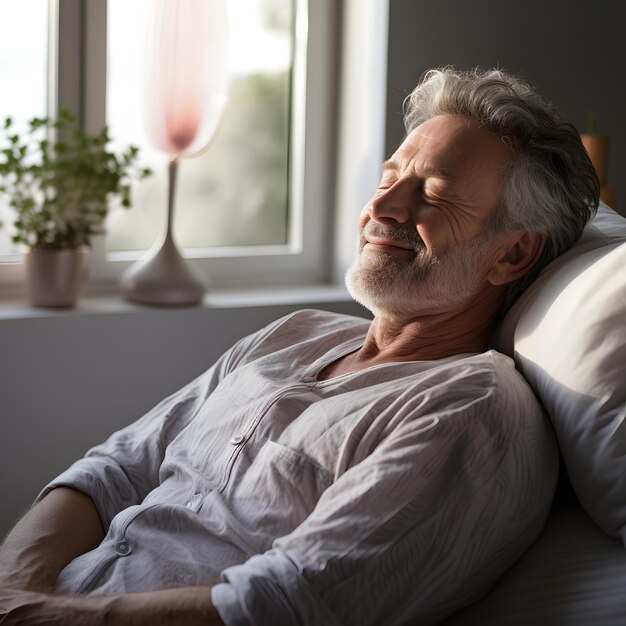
397, 233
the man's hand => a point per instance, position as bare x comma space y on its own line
170, 607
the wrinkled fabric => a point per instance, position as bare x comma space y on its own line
398, 492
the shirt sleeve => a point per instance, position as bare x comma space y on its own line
423, 526
121, 471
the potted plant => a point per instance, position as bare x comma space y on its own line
60, 191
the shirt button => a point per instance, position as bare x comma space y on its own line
194, 500
122, 547
237, 439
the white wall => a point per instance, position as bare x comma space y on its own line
67, 380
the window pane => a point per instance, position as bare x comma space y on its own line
24, 71
237, 192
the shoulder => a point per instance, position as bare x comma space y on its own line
324, 328
481, 398
509, 390
489, 379
493, 377
506, 433
318, 321
484, 421
313, 324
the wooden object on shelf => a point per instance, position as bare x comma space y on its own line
597, 147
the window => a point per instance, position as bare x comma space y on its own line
236, 193
24, 71
276, 222
251, 212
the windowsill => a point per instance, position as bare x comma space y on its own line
114, 303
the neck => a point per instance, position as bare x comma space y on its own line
431, 336
421, 339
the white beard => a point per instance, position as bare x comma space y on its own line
427, 284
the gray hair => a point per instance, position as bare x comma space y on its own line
551, 187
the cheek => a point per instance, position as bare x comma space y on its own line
443, 227
430, 226
364, 218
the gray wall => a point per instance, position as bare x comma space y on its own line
573, 52
68, 380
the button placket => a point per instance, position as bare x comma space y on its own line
254, 420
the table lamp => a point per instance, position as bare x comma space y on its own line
187, 77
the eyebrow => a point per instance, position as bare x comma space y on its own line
428, 169
389, 166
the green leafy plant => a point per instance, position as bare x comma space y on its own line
591, 123
60, 189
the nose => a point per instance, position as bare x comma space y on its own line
393, 204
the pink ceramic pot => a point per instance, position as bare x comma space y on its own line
54, 277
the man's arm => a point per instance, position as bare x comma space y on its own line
117, 474
62, 526
169, 607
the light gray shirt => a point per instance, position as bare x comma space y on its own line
396, 493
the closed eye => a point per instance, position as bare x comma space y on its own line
433, 193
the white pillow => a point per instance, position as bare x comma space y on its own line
567, 334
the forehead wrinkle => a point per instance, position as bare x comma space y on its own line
427, 169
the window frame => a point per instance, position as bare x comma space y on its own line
337, 147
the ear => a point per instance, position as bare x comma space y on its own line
516, 255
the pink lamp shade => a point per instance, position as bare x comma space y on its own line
187, 74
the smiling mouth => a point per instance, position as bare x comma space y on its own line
392, 246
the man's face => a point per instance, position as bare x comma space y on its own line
422, 245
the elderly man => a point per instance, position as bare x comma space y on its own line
327, 470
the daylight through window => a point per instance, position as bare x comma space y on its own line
235, 194
24, 71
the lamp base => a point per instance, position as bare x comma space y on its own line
163, 278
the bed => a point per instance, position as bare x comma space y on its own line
573, 575
567, 335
